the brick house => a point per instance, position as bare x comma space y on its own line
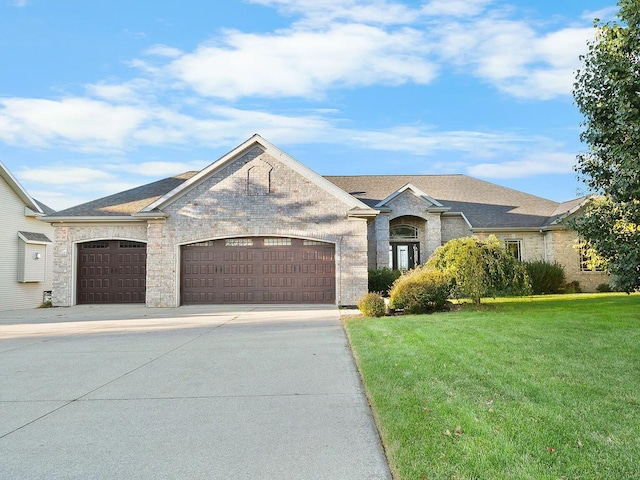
257, 226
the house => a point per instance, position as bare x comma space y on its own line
258, 226
26, 250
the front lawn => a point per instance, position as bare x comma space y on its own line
533, 388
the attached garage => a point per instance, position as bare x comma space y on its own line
111, 271
258, 270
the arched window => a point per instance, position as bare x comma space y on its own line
403, 232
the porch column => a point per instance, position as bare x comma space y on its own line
382, 240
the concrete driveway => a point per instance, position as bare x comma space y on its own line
115, 392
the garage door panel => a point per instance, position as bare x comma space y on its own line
111, 271
258, 270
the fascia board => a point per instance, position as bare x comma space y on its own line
362, 213
415, 190
106, 219
572, 211
507, 229
14, 184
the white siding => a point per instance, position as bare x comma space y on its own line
15, 295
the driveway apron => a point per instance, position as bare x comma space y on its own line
238, 392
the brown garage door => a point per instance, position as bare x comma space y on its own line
111, 271
258, 270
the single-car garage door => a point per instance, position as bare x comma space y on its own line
258, 270
111, 271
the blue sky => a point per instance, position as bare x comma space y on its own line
103, 95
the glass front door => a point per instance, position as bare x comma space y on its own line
404, 256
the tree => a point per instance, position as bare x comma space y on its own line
480, 268
607, 92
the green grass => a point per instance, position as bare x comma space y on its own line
534, 388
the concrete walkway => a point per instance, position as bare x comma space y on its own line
243, 392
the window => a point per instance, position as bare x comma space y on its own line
312, 242
403, 232
274, 242
238, 242
514, 247
126, 244
203, 244
589, 261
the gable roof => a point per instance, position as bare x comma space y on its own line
148, 200
29, 202
415, 190
485, 205
253, 142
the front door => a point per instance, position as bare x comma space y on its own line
404, 255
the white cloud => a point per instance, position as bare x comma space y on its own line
127, 92
321, 12
160, 169
455, 8
604, 14
530, 165
427, 141
61, 175
18, 3
163, 51
80, 123
514, 57
304, 63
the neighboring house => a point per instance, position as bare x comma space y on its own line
26, 250
257, 226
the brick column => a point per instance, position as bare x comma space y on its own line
62, 268
159, 267
382, 240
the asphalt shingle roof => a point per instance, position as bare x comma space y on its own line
127, 202
485, 204
35, 237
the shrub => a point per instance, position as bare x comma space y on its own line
372, 305
545, 277
604, 288
380, 280
572, 287
480, 268
421, 290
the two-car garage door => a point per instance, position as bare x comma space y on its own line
258, 270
